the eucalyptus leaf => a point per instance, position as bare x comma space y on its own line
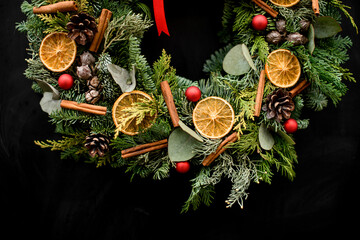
248, 57
46, 87
190, 131
125, 79
48, 104
181, 146
326, 26
286, 137
265, 138
235, 62
311, 37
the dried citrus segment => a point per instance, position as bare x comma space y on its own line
57, 51
126, 122
282, 68
213, 117
285, 3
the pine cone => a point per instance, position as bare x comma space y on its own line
281, 26
279, 105
274, 37
95, 88
82, 28
83, 72
97, 144
297, 39
304, 25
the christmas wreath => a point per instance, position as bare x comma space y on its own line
112, 108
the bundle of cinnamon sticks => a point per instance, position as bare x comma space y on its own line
299, 88
144, 148
221, 148
83, 107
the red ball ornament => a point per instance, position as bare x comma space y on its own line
193, 94
290, 125
259, 22
66, 81
182, 167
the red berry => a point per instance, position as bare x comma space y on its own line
290, 125
182, 167
193, 94
65, 81
259, 22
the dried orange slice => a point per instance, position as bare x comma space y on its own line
282, 68
125, 121
57, 51
213, 117
285, 3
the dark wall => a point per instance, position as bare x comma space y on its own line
44, 197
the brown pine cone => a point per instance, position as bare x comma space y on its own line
97, 144
279, 105
82, 28
95, 88
274, 37
297, 39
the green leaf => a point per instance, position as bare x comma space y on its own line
248, 57
266, 140
326, 27
190, 131
46, 87
125, 79
48, 104
181, 146
286, 137
311, 37
235, 61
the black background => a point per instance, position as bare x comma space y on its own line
42, 196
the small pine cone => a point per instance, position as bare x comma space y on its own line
97, 144
279, 105
84, 72
82, 28
297, 39
281, 26
86, 58
93, 94
304, 25
94, 83
274, 37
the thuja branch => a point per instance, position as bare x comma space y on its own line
122, 28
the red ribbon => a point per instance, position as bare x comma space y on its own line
160, 19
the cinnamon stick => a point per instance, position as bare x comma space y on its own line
143, 146
266, 8
299, 88
143, 150
83, 107
104, 20
67, 6
260, 93
221, 148
169, 100
315, 7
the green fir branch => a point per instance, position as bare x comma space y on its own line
124, 27
55, 22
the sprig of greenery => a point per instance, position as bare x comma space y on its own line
123, 27
55, 22
71, 146
163, 71
138, 112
